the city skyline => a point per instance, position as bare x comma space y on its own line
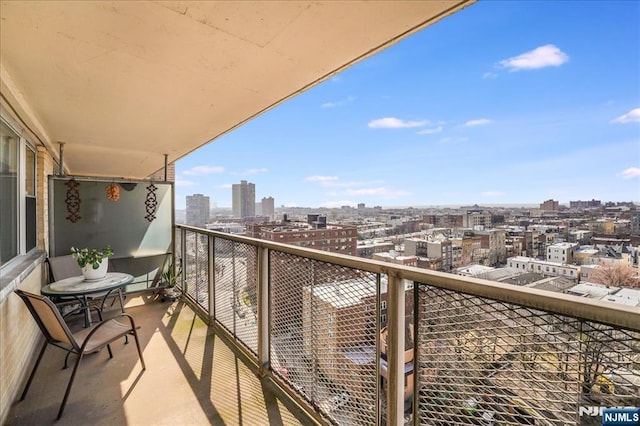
532, 101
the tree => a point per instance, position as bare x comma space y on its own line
617, 275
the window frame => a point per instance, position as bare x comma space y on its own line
24, 191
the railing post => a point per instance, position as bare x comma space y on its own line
212, 276
263, 309
183, 257
395, 348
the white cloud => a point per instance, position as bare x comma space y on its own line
203, 170
338, 103
632, 116
335, 182
182, 182
395, 123
225, 186
630, 173
321, 179
253, 171
478, 122
540, 57
431, 131
492, 194
487, 75
380, 192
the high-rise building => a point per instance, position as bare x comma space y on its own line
268, 207
244, 199
197, 210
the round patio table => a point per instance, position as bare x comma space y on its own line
80, 289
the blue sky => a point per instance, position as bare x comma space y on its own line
505, 102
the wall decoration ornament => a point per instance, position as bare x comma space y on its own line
113, 192
151, 203
73, 200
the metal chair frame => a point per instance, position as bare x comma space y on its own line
86, 341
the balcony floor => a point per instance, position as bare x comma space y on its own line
192, 378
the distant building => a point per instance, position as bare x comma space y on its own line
585, 204
390, 257
367, 249
268, 208
494, 242
337, 314
561, 252
442, 251
243, 199
197, 210
635, 223
549, 206
476, 219
544, 267
315, 234
443, 220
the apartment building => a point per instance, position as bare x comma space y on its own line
549, 206
337, 314
475, 219
320, 236
561, 252
529, 264
367, 249
585, 204
470, 246
198, 208
444, 220
268, 207
493, 240
440, 250
243, 199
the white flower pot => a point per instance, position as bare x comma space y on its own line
95, 274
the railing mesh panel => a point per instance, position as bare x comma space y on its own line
235, 270
197, 272
482, 361
323, 329
177, 250
196, 269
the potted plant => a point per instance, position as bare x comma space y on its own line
93, 262
170, 278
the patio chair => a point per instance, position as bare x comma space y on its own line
86, 341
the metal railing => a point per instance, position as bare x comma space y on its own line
364, 342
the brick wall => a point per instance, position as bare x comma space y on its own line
20, 335
171, 173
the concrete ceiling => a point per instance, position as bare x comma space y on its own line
123, 83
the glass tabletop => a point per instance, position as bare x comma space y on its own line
78, 285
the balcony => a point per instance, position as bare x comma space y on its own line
297, 335
196, 378
268, 333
